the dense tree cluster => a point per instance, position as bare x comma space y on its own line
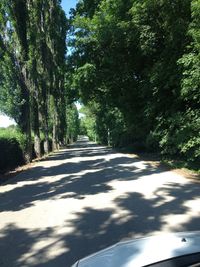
33, 70
136, 64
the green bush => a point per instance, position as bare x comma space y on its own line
178, 136
11, 149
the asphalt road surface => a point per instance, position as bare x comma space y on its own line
86, 198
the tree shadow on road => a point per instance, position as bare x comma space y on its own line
133, 214
95, 229
78, 179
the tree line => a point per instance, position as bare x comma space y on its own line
136, 66
33, 83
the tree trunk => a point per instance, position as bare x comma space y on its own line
44, 114
25, 120
55, 142
26, 127
36, 129
62, 114
46, 136
28, 145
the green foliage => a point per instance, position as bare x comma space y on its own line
178, 136
103, 125
32, 73
72, 123
190, 62
13, 132
88, 124
136, 66
11, 147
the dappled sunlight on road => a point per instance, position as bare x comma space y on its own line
86, 198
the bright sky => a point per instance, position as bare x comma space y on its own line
6, 121
66, 5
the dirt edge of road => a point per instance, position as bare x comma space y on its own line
156, 163
14, 172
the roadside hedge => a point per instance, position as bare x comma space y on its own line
12, 143
11, 154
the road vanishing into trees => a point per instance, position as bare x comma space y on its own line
88, 197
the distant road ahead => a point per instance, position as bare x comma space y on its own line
86, 198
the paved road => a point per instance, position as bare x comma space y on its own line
85, 198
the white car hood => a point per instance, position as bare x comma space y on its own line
144, 251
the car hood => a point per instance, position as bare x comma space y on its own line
144, 251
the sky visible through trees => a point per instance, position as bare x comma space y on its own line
68, 4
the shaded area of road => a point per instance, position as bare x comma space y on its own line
86, 198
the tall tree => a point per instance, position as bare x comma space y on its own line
14, 45
33, 42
